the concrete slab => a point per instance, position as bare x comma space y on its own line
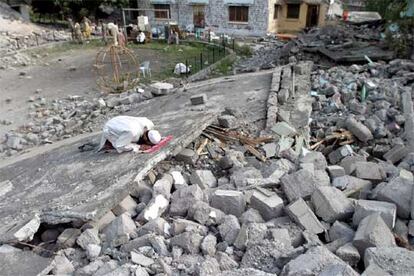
61, 184
24, 263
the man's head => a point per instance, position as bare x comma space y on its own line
152, 137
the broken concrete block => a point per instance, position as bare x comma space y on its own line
163, 186
208, 246
230, 202
158, 226
188, 241
250, 234
209, 266
178, 179
393, 260
228, 121
161, 88
141, 271
68, 237
180, 225
369, 171
24, 263
340, 230
204, 214
358, 129
335, 171
397, 191
281, 235
198, 99
351, 185
411, 228
331, 204
348, 163
338, 269
226, 262
93, 251
300, 212
128, 204
89, 236
269, 204
104, 221
313, 262
270, 149
62, 266
322, 177
364, 208
183, 198
155, 207
337, 155
283, 129
396, 154
244, 272
187, 156
27, 231
141, 259
203, 178
229, 229
372, 231
300, 184
251, 215
5, 248
374, 270
240, 176
119, 231
316, 158
349, 254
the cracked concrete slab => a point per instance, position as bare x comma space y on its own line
61, 184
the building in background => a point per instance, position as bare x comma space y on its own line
238, 17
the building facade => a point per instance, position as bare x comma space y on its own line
237, 17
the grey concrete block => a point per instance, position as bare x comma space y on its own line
373, 232
397, 191
364, 208
340, 230
68, 237
230, 202
314, 262
141, 259
358, 129
300, 184
208, 246
269, 204
374, 270
348, 163
300, 213
352, 186
229, 229
183, 198
284, 129
89, 236
369, 171
188, 241
335, 171
250, 234
349, 254
393, 260
228, 121
128, 204
203, 213
397, 153
203, 178
316, 158
251, 215
337, 155
188, 156
198, 99
119, 231
331, 204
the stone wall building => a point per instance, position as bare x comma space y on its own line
237, 17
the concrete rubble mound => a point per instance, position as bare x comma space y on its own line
318, 180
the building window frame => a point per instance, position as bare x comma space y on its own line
293, 11
160, 11
276, 10
238, 14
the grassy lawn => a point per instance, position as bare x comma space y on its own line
162, 56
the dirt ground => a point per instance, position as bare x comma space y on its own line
53, 77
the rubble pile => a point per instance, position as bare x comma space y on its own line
59, 119
325, 46
234, 204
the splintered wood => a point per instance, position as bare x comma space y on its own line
225, 136
340, 137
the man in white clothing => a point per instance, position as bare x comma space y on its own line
126, 133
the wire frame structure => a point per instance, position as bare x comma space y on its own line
117, 69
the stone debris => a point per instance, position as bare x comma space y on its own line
393, 260
364, 208
300, 212
230, 202
24, 263
269, 205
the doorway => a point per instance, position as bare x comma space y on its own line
198, 16
312, 15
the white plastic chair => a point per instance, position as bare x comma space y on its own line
145, 68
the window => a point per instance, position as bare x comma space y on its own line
293, 11
160, 11
238, 14
276, 11
198, 16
